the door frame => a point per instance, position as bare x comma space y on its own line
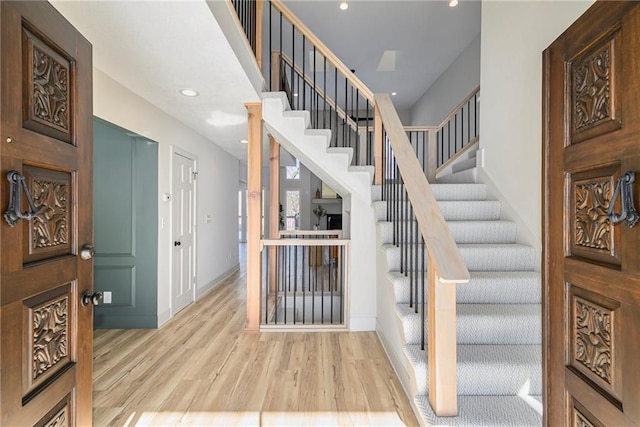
179, 151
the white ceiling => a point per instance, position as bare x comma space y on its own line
426, 35
156, 48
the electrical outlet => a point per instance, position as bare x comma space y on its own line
106, 297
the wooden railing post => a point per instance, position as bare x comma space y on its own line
442, 357
432, 155
275, 71
378, 143
254, 222
258, 35
274, 207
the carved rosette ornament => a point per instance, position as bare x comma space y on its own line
580, 420
593, 338
592, 225
50, 335
60, 419
50, 89
50, 221
591, 82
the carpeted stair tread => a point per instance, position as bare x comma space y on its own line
485, 287
453, 210
461, 231
483, 411
487, 369
478, 257
482, 323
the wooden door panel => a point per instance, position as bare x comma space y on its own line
592, 286
592, 235
47, 137
593, 76
50, 233
48, 86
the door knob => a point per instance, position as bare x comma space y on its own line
93, 299
177, 243
87, 252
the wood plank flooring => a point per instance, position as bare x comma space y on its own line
200, 369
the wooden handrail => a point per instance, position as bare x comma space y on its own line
310, 233
323, 49
341, 113
305, 242
458, 107
456, 156
432, 225
445, 265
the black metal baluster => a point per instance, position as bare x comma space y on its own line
295, 281
335, 82
266, 289
324, 93
304, 293
331, 263
422, 292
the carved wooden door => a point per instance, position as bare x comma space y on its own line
592, 265
47, 137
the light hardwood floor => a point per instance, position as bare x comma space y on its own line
201, 369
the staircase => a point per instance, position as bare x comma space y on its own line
498, 315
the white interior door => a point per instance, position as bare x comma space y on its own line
183, 280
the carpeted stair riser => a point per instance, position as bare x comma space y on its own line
485, 287
453, 210
461, 231
483, 411
509, 257
482, 323
487, 369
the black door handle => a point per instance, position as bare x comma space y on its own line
177, 243
624, 189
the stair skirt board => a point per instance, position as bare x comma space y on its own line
499, 321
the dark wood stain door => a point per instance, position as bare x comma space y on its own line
591, 265
46, 136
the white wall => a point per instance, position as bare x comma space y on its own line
217, 188
462, 77
514, 34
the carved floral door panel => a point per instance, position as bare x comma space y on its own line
47, 137
592, 266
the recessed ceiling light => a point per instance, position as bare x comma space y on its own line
453, 3
394, 93
244, 141
189, 92
344, 5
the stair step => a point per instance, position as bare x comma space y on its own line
483, 323
458, 210
489, 370
461, 231
465, 164
482, 411
499, 257
478, 257
485, 287
459, 191
465, 176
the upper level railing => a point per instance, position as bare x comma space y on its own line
315, 80
301, 65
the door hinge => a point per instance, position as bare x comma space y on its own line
195, 175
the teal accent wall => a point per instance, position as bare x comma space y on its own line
125, 184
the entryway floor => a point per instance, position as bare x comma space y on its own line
201, 369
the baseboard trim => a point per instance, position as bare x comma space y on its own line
200, 292
164, 317
125, 322
362, 324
